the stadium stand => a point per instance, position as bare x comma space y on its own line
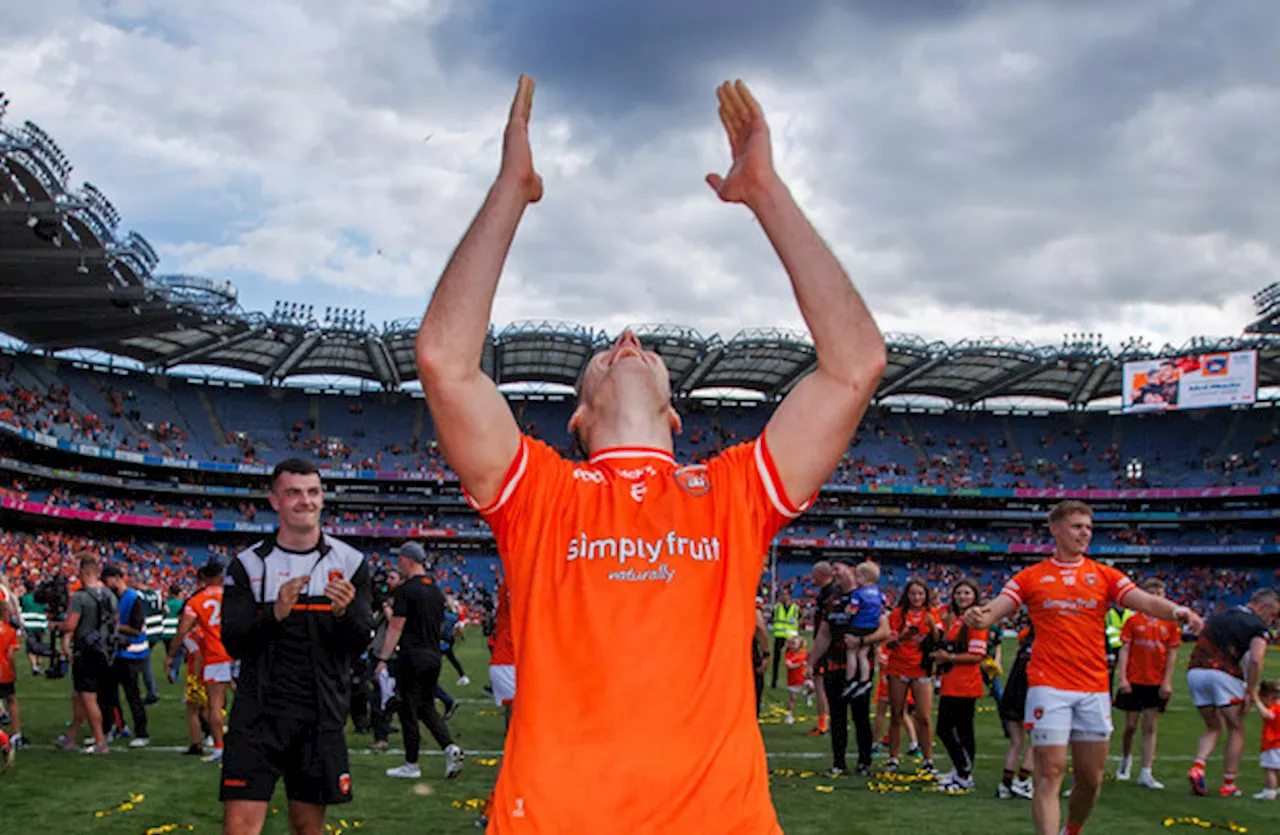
143, 450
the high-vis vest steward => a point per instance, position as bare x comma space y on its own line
786, 621
138, 647
1115, 625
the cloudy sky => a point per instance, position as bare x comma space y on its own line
982, 168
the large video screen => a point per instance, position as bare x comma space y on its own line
1197, 381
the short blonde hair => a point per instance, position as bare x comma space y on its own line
1153, 585
868, 571
1070, 507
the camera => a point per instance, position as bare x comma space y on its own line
54, 596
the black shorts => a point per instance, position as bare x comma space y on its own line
1013, 704
313, 762
1141, 697
8, 689
90, 673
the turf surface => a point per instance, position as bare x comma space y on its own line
53, 792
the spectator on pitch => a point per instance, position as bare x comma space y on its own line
963, 649
1268, 705
1223, 676
416, 625
448, 636
570, 534
296, 613
831, 651
91, 617
382, 677
824, 579
133, 655
1069, 696
1012, 710
1148, 656
867, 603
9, 642
798, 681
913, 627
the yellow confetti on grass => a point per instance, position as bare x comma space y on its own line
1231, 826
126, 806
169, 827
487, 762
475, 804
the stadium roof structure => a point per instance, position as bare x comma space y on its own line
70, 278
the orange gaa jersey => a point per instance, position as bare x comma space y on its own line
906, 658
8, 652
1068, 605
504, 653
965, 680
206, 607
1150, 641
626, 573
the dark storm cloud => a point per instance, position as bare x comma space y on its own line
607, 59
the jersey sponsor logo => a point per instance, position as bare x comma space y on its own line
589, 476
1071, 604
693, 480
639, 472
623, 548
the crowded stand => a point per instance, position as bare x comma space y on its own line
390, 431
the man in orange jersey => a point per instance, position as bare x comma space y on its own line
204, 609
631, 570
1148, 656
1068, 693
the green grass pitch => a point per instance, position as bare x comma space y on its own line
52, 792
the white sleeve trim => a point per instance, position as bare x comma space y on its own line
771, 489
510, 486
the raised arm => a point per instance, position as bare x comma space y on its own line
474, 424
811, 429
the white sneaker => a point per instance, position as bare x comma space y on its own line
140, 742
408, 770
1266, 794
1024, 788
1124, 769
452, 762
1147, 780
215, 757
954, 785
790, 720
464, 681
1004, 792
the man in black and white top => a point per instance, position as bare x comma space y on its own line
417, 622
296, 612
1223, 676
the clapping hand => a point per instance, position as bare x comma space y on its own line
287, 597
340, 592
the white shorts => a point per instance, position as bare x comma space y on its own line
797, 688
1270, 759
1214, 688
1056, 717
221, 673
502, 678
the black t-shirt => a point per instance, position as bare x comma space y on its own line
838, 613
824, 595
421, 604
1225, 641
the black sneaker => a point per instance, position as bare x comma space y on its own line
450, 711
193, 751
862, 769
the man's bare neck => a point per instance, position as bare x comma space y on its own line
292, 540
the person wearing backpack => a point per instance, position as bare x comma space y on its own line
91, 622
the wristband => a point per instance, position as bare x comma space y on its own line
1180, 611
